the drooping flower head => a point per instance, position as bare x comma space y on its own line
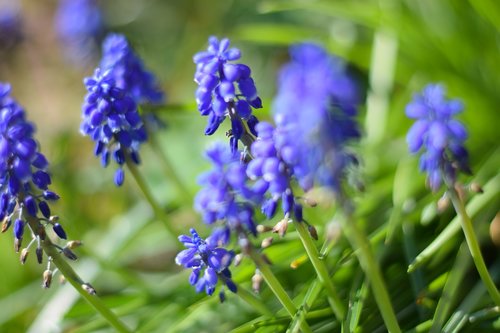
225, 90
208, 262
24, 180
438, 135
79, 25
225, 196
110, 118
315, 113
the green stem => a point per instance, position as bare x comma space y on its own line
474, 248
320, 267
276, 287
253, 301
73, 278
367, 260
158, 211
169, 168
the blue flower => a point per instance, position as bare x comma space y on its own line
225, 89
79, 25
439, 136
314, 112
24, 180
208, 262
225, 195
111, 119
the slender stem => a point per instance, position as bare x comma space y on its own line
253, 301
320, 267
169, 168
372, 270
75, 280
276, 287
158, 211
474, 248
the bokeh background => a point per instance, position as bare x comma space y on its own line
392, 47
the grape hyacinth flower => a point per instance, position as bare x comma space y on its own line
438, 135
208, 262
24, 181
111, 119
225, 195
79, 25
217, 96
314, 112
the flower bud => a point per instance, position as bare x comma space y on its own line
237, 259
266, 242
313, 232
256, 282
39, 255
263, 228
17, 244
6, 224
281, 227
47, 279
58, 229
476, 188
24, 255
74, 244
443, 203
69, 254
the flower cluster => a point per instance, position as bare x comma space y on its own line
24, 181
225, 195
79, 25
217, 95
111, 119
208, 262
438, 134
314, 113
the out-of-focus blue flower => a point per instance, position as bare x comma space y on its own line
208, 262
315, 113
110, 118
24, 181
439, 136
225, 89
80, 26
225, 195
10, 26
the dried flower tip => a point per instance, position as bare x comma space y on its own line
88, 288
69, 254
24, 255
313, 232
476, 188
6, 224
263, 228
266, 242
47, 279
54, 219
256, 282
237, 259
39, 255
17, 244
281, 227
74, 244
443, 203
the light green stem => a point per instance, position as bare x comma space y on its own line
320, 267
276, 287
253, 301
474, 248
372, 270
158, 211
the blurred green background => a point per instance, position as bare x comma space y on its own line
392, 47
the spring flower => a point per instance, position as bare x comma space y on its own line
111, 119
208, 262
225, 195
314, 114
79, 25
24, 180
438, 135
225, 90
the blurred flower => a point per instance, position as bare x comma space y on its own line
208, 262
10, 26
79, 25
440, 137
24, 181
217, 96
225, 196
314, 113
110, 118
130, 75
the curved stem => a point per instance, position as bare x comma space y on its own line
320, 267
253, 301
372, 270
158, 211
473, 245
276, 287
